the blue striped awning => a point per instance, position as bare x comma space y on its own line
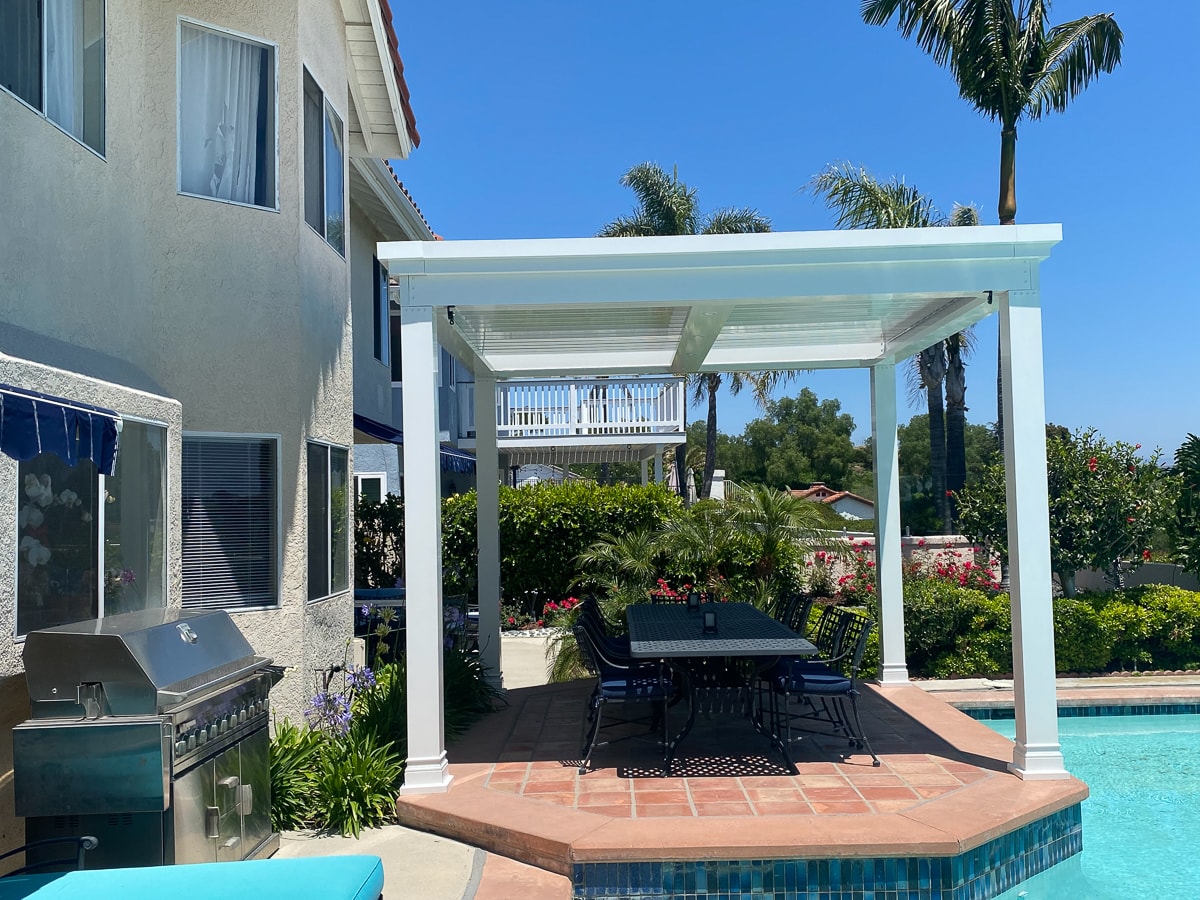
452, 460
33, 423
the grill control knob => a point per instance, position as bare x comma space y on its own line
180, 748
191, 741
203, 735
224, 725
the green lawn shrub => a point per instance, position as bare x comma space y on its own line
1153, 626
1081, 642
955, 631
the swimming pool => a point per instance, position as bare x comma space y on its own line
1142, 819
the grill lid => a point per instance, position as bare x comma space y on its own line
142, 660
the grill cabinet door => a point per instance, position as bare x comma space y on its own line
229, 782
256, 790
195, 798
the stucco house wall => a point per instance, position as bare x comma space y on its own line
240, 316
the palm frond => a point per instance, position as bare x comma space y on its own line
936, 23
861, 201
964, 216
735, 221
665, 201
1075, 54
636, 225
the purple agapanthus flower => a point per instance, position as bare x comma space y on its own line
329, 712
360, 678
365, 609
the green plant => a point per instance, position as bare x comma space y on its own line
293, 753
1081, 643
1105, 503
1185, 528
355, 783
467, 692
379, 542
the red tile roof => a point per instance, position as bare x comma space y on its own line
404, 190
410, 120
820, 493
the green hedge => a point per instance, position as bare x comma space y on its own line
953, 631
543, 528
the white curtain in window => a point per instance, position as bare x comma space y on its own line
64, 64
218, 115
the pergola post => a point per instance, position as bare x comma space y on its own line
889, 575
487, 493
1037, 754
658, 454
426, 770
645, 472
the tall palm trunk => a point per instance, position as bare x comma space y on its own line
713, 383
1008, 175
956, 419
933, 373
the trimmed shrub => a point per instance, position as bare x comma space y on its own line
955, 631
1153, 626
1081, 643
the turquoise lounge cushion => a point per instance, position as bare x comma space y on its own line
318, 878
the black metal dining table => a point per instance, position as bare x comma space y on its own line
675, 635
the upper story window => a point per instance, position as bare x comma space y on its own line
52, 57
226, 116
328, 520
324, 168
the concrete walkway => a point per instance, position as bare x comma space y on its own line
418, 864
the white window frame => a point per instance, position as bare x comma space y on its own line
360, 477
326, 110
329, 591
40, 113
241, 36
18, 636
246, 436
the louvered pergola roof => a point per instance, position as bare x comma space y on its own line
714, 303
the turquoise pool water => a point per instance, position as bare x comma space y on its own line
1141, 823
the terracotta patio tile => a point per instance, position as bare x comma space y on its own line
549, 787
604, 785
932, 778
558, 799
891, 806
541, 765
768, 781
868, 779
724, 809
782, 808
511, 767
506, 787
929, 791
772, 795
612, 812
659, 784
506, 777
834, 808
822, 781
717, 794
660, 797
915, 765
813, 795
971, 777
888, 793
605, 798
661, 810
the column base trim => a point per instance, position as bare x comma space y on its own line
427, 776
893, 674
1038, 763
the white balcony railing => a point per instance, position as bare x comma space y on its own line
589, 408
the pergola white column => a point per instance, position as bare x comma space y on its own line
645, 472
1037, 754
426, 770
893, 667
658, 453
487, 493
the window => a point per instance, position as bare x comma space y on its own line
382, 330
324, 168
328, 520
81, 557
52, 57
230, 522
396, 332
370, 486
226, 117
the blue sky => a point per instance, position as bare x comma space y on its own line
530, 111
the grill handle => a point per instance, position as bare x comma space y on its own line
212, 822
168, 697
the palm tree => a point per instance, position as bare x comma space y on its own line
1009, 65
863, 202
667, 206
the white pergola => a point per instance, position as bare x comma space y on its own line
788, 300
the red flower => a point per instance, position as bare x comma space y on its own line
1137, 446
949, 493
1092, 464
1129, 519
1146, 555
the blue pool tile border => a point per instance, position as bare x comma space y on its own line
1075, 712
979, 874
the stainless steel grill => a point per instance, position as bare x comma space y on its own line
149, 731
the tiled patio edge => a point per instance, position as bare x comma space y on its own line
978, 874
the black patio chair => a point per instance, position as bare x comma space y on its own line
619, 680
593, 616
75, 862
825, 686
795, 612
